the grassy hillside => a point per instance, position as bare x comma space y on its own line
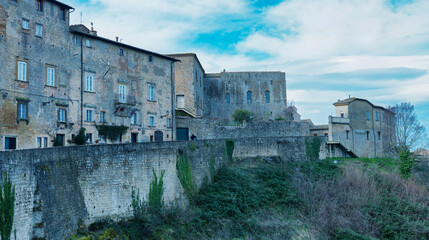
269, 199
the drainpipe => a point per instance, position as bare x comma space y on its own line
373, 133
81, 82
173, 112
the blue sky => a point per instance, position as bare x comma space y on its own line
329, 49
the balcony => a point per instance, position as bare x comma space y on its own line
125, 99
338, 120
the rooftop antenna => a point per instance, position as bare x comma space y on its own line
81, 17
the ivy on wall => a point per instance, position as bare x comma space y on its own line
111, 132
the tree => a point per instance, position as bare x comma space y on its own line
240, 115
409, 133
80, 138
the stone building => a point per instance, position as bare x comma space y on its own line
56, 78
361, 129
189, 74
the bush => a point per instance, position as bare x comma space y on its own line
407, 163
7, 207
312, 148
80, 138
184, 172
240, 115
156, 192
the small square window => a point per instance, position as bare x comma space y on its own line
25, 24
39, 30
88, 43
150, 58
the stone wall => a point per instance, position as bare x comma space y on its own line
212, 129
58, 188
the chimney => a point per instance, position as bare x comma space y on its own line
117, 39
92, 30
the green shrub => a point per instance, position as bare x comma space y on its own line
240, 115
321, 169
192, 146
212, 166
347, 234
184, 172
156, 192
7, 207
111, 132
80, 138
137, 204
312, 148
407, 163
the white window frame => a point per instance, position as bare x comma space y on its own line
42, 142
122, 93
22, 110
39, 30
89, 115
151, 92
88, 43
134, 119
89, 82
151, 121
25, 24
22, 71
75, 39
50, 76
103, 116
62, 114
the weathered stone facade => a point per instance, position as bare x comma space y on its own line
189, 75
262, 93
57, 78
363, 129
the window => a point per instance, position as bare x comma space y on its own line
25, 24
121, 52
88, 43
379, 135
89, 115
271, 82
22, 110
367, 115
342, 115
39, 5
10, 143
75, 39
151, 93
62, 115
122, 93
180, 101
168, 122
152, 121
39, 30
59, 140
22, 71
89, 83
267, 96
150, 58
134, 119
347, 134
42, 142
228, 98
376, 116
245, 83
102, 116
62, 13
249, 97
50, 76
367, 135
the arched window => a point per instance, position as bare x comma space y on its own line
249, 97
228, 98
267, 96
